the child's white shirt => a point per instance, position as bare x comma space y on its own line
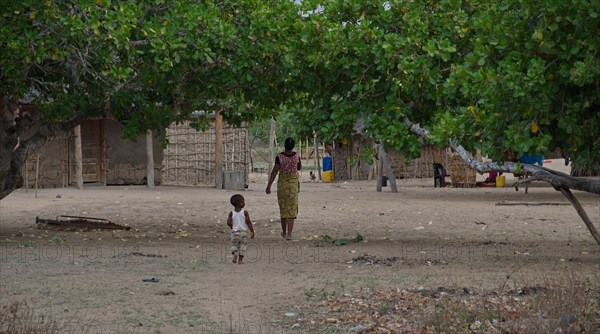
239, 220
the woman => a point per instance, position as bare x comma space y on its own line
287, 164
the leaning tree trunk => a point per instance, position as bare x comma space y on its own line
9, 139
15, 148
560, 181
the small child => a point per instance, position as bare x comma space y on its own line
239, 222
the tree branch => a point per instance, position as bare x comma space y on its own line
560, 181
581, 212
557, 179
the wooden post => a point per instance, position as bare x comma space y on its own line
372, 170
271, 146
149, 160
300, 148
317, 162
218, 150
104, 163
37, 173
379, 167
26, 175
78, 158
64, 165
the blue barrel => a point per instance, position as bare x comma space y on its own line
327, 164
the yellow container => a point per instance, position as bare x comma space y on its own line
500, 181
327, 176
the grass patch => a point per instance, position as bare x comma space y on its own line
559, 305
20, 318
325, 239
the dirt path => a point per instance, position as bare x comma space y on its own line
418, 238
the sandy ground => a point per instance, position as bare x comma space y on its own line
454, 238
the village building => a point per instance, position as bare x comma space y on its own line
189, 158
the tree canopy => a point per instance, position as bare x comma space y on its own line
144, 63
514, 76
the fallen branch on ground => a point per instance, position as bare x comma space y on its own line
531, 203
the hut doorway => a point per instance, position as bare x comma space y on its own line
91, 150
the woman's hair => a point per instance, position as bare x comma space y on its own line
289, 143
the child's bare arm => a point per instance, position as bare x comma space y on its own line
230, 220
249, 223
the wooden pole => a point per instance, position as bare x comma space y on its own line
300, 148
317, 162
37, 173
78, 158
104, 163
149, 160
271, 146
371, 170
218, 150
379, 167
26, 174
65, 165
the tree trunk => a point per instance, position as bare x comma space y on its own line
388, 168
15, 148
9, 138
340, 161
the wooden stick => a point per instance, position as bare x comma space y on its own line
316, 148
379, 168
78, 158
218, 150
37, 173
149, 160
271, 147
104, 162
26, 176
531, 203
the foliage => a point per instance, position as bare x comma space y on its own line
378, 62
358, 237
145, 62
500, 77
530, 82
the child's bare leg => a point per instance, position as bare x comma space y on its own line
290, 227
241, 257
235, 256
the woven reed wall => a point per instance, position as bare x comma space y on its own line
461, 175
418, 168
189, 159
